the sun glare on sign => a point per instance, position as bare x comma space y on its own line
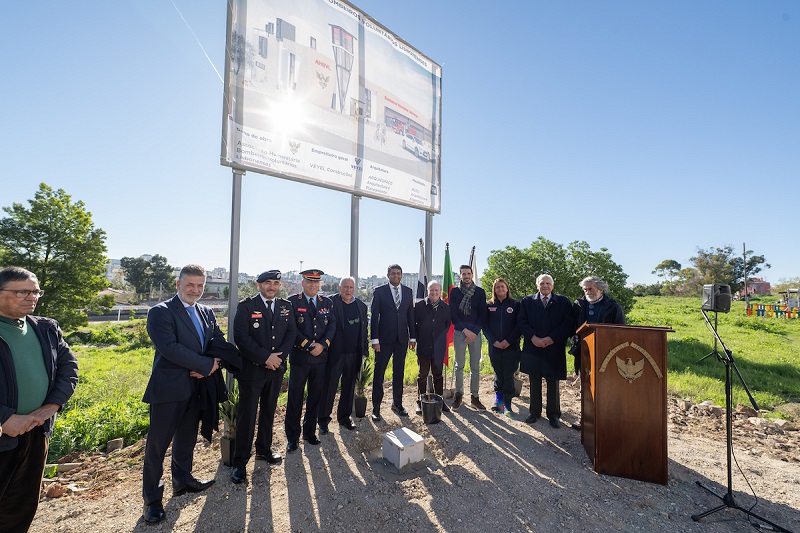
288, 116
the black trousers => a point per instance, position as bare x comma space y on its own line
251, 393
175, 422
21, 472
344, 367
428, 365
505, 364
397, 353
301, 374
553, 397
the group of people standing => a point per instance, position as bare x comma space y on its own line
324, 339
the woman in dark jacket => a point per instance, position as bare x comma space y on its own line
502, 335
432, 319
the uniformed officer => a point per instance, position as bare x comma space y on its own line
316, 326
264, 331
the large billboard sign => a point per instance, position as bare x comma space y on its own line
318, 92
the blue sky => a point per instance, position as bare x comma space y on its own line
648, 128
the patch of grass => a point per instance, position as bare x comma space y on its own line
766, 351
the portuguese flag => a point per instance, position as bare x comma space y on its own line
447, 285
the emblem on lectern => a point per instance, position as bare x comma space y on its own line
629, 369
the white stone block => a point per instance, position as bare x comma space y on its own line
402, 447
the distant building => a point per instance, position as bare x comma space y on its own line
756, 286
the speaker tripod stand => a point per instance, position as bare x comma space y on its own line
728, 500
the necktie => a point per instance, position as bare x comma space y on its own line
196, 321
544, 301
269, 310
396, 297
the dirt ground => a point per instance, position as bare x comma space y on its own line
482, 472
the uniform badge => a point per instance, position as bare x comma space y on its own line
256, 314
509, 310
256, 325
492, 309
301, 319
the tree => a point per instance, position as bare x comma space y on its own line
568, 266
145, 275
786, 283
56, 240
720, 265
668, 268
754, 266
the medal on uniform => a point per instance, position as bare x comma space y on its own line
256, 325
301, 319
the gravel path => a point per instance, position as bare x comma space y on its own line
482, 472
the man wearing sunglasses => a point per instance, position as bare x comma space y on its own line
38, 374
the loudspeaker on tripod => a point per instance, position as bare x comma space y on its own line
717, 297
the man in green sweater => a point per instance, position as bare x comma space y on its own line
38, 374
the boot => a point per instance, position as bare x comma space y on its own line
458, 400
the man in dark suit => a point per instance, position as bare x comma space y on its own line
545, 319
38, 374
264, 331
180, 329
432, 318
393, 332
348, 349
316, 325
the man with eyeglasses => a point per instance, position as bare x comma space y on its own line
38, 374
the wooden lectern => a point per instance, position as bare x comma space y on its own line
624, 400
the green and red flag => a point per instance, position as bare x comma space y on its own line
447, 284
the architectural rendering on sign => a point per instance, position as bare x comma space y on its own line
318, 92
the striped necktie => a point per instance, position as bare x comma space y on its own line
396, 297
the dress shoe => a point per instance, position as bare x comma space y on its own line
400, 410
458, 400
531, 418
271, 457
154, 513
291, 446
445, 409
323, 429
576, 426
554, 422
239, 474
195, 485
476, 403
376, 416
312, 439
347, 425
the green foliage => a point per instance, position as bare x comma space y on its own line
145, 275
365, 378
715, 265
766, 351
56, 240
647, 290
227, 409
786, 283
100, 305
127, 336
568, 266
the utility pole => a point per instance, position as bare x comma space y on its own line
744, 263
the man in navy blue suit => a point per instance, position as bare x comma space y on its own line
393, 332
316, 325
180, 329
